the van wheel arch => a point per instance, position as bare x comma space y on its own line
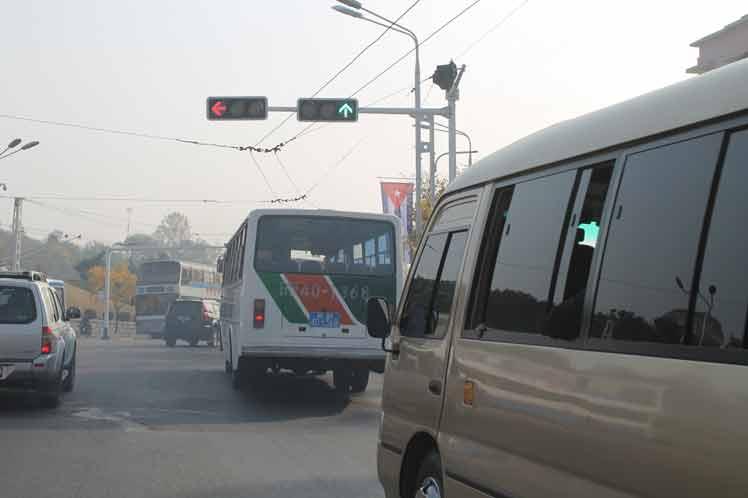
419, 447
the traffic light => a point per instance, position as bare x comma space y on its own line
445, 75
237, 108
336, 110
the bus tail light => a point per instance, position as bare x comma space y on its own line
259, 314
48, 339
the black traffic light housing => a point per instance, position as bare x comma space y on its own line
237, 108
333, 110
444, 76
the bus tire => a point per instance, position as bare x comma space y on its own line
238, 377
341, 379
359, 379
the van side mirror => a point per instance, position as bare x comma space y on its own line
73, 313
378, 317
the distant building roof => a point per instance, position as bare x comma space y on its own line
716, 34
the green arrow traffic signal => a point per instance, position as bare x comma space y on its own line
330, 110
345, 110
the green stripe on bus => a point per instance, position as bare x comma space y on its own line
282, 297
357, 289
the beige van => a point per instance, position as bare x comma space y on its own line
574, 322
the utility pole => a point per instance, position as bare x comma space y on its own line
17, 232
432, 162
129, 216
453, 95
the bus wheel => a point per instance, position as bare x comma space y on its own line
359, 379
341, 378
238, 377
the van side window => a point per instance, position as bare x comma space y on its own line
722, 301
565, 316
459, 213
429, 302
653, 241
518, 293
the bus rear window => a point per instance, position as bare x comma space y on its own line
160, 272
17, 305
311, 244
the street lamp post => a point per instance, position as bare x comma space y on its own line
444, 128
457, 152
354, 4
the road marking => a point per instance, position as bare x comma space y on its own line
121, 418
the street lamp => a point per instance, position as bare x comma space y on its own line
14, 143
458, 152
444, 128
356, 6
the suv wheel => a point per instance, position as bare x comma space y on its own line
69, 382
170, 341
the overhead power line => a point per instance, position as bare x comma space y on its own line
420, 44
339, 72
493, 28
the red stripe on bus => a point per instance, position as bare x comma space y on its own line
316, 294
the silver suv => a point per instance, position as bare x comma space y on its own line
37, 344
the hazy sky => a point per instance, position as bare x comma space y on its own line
147, 66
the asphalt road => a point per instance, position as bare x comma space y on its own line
149, 421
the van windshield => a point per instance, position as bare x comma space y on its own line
17, 305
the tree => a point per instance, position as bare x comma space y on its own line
426, 206
173, 230
122, 286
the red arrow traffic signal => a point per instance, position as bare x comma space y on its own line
218, 108
237, 108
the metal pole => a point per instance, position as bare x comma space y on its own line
107, 291
17, 232
417, 89
432, 163
395, 111
452, 96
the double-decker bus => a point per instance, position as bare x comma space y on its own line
295, 289
161, 282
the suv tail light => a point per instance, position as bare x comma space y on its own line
48, 340
259, 314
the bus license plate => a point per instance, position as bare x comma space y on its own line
324, 319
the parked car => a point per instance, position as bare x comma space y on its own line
574, 323
37, 344
192, 320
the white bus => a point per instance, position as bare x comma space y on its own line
296, 283
161, 282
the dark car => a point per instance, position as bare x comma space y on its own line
192, 320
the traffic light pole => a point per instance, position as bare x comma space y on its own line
400, 111
453, 94
420, 114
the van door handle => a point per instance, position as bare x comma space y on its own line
435, 387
